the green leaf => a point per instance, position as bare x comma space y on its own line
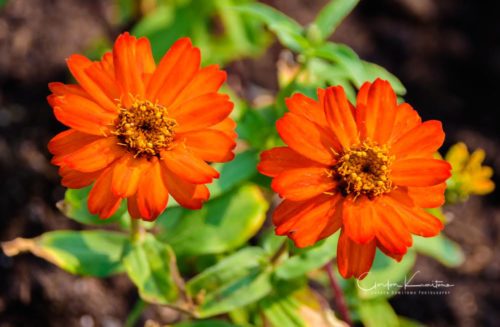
288, 31
332, 15
406, 322
89, 253
222, 225
309, 259
378, 312
282, 311
205, 323
346, 58
440, 248
151, 266
257, 127
234, 282
74, 206
374, 71
348, 65
126, 10
233, 173
385, 276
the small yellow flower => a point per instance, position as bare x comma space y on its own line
469, 176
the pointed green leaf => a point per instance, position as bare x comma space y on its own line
332, 15
374, 71
289, 32
385, 276
282, 311
233, 173
377, 312
310, 258
223, 224
150, 264
440, 248
234, 282
89, 253
74, 206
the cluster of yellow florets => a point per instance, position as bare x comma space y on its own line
364, 169
145, 128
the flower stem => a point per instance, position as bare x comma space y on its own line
135, 230
281, 250
136, 313
338, 294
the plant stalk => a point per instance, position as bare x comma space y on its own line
135, 230
338, 294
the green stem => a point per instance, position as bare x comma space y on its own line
136, 313
282, 249
135, 230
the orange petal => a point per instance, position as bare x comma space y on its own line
128, 73
188, 166
97, 72
306, 107
188, 195
417, 220
277, 160
376, 111
101, 200
339, 116
307, 222
303, 183
359, 219
152, 195
202, 112
179, 77
82, 114
428, 197
95, 156
144, 56
75, 179
391, 230
421, 141
209, 145
206, 80
397, 257
77, 65
177, 52
406, 119
67, 142
307, 138
132, 207
227, 126
127, 172
353, 259
63, 89
420, 172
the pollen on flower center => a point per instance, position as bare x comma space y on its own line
364, 170
144, 128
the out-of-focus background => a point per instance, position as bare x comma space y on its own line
446, 53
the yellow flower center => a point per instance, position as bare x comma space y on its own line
145, 128
364, 170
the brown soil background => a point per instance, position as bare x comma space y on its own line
447, 53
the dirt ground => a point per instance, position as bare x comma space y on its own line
447, 53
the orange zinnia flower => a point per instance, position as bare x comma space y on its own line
367, 170
141, 131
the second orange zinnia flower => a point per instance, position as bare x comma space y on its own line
139, 131
367, 170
